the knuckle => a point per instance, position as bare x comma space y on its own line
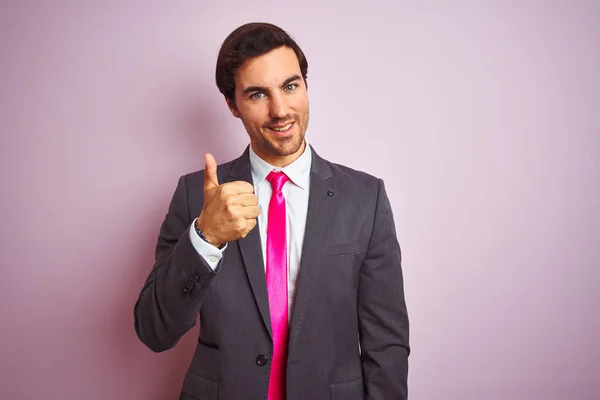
229, 201
240, 225
248, 186
225, 188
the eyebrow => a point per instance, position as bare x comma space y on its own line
252, 89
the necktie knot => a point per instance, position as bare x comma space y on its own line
277, 179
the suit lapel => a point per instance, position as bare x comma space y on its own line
251, 247
322, 203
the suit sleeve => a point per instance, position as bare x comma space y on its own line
171, 297
211, 254
383, 318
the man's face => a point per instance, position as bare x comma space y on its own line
272, 101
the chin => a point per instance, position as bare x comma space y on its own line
287, 146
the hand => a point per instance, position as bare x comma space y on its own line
229, 211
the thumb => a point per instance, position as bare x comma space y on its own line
210, 173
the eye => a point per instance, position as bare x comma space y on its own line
291, 87
257, 95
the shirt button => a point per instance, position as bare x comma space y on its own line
261, 360
213, 259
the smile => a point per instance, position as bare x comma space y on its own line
282, 131
284, 128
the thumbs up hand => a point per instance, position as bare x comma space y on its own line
229, 211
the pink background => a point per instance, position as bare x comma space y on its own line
483, 120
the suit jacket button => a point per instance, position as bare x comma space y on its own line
261, 360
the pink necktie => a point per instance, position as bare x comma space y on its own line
277, 284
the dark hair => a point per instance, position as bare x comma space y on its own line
247, 42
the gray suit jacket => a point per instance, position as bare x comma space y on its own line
350, 292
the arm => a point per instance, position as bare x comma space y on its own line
172, 295
383, 319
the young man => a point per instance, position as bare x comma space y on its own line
292, 262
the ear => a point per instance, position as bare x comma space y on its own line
232, 108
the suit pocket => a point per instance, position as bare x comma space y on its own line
198, 388
341, 249
351, 390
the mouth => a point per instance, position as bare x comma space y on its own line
281, 130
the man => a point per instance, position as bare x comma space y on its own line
291, 262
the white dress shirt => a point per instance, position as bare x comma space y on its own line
295, 191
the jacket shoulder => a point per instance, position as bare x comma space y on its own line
359, 179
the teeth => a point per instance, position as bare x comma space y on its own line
283, 129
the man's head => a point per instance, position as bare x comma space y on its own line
262, 73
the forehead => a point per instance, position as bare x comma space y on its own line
268, 70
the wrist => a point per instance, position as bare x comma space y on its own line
206, 236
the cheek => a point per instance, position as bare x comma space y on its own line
254, 116
300, 104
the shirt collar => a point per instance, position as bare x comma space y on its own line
298, 171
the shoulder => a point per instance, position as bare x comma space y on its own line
357, 177
356, 187
349, 178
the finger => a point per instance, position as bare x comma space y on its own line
250, 224
210, 173
251, 212
238, 187
247, 199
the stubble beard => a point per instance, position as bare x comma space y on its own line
280, 147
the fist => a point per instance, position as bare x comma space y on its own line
229, 211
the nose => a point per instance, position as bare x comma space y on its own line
278, 106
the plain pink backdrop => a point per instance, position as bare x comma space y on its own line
481, 117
